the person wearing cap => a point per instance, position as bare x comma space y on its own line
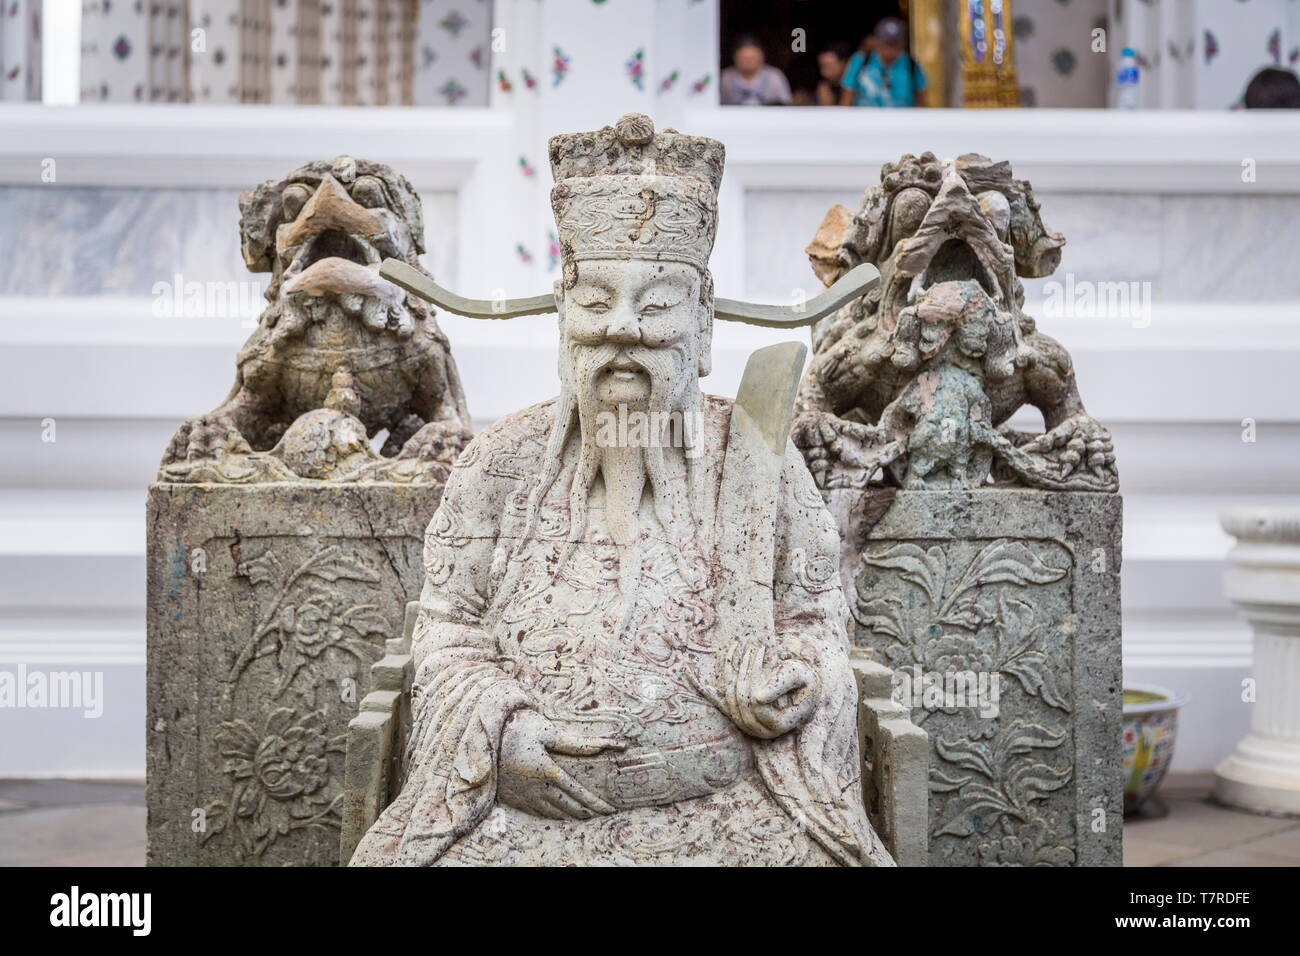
886, 76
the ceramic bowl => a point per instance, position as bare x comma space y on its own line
1150, 726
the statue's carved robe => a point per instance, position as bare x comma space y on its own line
549, 626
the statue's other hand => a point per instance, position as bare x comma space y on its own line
785, 699
531, 780
763, 703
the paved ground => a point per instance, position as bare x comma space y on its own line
71, 823
1183, 828
91, 823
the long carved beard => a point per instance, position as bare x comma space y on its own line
677, 504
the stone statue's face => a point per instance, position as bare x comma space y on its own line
632, 329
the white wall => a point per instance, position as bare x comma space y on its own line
1147, 197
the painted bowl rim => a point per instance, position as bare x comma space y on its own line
1170, 699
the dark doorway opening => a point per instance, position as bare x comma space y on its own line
773, 22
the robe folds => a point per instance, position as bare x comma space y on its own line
640, 642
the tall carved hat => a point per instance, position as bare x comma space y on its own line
626, 192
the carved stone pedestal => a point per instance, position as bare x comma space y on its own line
999, 613
1263, 580
267, 606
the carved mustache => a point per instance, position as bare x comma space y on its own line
591, 361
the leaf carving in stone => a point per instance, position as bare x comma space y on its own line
1012, 781
307, 618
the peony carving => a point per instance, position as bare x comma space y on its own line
279, 780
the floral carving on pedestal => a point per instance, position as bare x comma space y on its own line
285, 777
1004, 779
307, 617
982, 607
1035, 844
974, 625
279, 779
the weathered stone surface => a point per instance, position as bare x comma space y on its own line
1021, 590
631, 643
911, 384
282, 547
996, 605
896, 763
267, 606
340, 355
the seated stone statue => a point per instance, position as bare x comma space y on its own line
631, 646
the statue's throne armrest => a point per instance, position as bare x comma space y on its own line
895, 764
376, 743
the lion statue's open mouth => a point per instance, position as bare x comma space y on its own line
340, 355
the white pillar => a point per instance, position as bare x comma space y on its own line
1263, 580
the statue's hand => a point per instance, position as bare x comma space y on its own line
764, 703
530, 780
785, 699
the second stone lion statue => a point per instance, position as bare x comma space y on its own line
914, 380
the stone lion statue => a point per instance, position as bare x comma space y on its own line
913, 381
340, 355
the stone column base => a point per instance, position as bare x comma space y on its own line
1262, 776
1263, 580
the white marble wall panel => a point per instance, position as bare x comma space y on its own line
121, 241
1230, 247
778, 225
1108, 238
117, 241
1191, 248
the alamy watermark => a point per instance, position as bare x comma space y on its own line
175, 299
128, 910
53, 690
948, 690
637, 428
1085, 299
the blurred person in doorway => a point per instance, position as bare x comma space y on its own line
882, 74
830, 68
1272, 89
749, 81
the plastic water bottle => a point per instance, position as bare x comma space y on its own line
1126, 80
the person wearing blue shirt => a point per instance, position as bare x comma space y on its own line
887, 76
